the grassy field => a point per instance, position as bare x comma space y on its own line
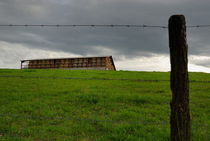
37, 107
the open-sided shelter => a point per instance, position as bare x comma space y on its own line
95, 63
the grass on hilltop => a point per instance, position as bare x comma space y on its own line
46, 109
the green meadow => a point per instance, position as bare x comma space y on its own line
60, 105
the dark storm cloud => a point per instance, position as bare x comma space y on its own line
129, 42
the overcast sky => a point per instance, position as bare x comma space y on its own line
143, 49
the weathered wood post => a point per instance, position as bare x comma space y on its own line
21, 64
180, 112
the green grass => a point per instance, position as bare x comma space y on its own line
44, 109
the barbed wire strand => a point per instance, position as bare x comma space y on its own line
83, 25
81, 119
88, 120
98, 25
83, 78
197, 26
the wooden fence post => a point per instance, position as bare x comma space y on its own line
180, 112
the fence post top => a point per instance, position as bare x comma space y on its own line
177, 18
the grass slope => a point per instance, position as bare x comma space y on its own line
45, 109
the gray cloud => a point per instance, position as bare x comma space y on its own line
128, 42
201, 60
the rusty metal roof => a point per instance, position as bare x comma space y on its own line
65, 58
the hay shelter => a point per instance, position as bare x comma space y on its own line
79, 63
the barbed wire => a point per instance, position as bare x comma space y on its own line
79, 78
197, 26
90, 120
81, 119
83, 25
83, 78
99, 25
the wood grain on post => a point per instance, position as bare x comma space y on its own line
180, 112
